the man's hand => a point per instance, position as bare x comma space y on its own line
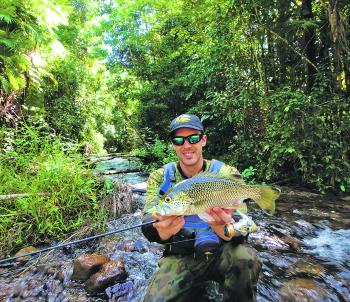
168, 226
221, 218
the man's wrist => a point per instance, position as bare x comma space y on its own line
164, 237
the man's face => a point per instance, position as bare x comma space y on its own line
190, 155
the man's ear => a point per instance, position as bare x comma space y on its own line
204, 140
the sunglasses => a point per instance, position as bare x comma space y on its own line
192, 139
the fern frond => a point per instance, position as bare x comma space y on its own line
8, 13
4, 84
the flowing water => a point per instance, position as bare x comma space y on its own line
304, 247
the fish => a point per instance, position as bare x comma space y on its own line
195, 195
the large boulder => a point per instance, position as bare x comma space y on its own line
110, 273
86, 265
302, 289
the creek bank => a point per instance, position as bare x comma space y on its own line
297, 264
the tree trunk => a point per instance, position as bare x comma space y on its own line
325, 46
281, 47
309, 49
337, 31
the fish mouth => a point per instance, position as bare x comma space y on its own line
169, 210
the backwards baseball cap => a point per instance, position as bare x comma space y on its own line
186, 121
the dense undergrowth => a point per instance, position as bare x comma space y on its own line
155, 154
32, 161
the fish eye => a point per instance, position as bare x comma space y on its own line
167, 199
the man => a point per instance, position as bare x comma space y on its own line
191, 258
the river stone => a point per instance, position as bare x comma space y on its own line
130, 245
61, 276
307, 268
86, 265
50, 270
110, 273
26, 250
119, 290
293, 242
303, 228
302, 289
54, 290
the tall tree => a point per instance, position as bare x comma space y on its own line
24, 27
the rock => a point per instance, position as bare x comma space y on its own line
119, 290
26, 250
54, 290
301, 289
130, 291
8, 291
54, 287
50, 270
307, 268
264, 240
60, 276
110, 273
303, 228
33, 284
86, 265
129, 245
293, 242
345, 198
24, 293
32, 288
141, 247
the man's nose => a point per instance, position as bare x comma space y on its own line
186, 143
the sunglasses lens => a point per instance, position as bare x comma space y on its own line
194, 138
178, 140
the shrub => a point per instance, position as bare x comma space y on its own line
32, 163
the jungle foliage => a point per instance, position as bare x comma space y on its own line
62, 193
270, 79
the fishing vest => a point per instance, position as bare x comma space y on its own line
206, 240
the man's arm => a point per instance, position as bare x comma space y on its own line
167, 226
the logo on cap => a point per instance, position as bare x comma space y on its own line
183, 119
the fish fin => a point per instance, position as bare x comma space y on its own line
206, 217
243, 208
267, 199
232, 177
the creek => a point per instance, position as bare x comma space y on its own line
304, 248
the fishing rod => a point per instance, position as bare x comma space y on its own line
75, 242
242, 228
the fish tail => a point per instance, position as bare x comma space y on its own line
268, 195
